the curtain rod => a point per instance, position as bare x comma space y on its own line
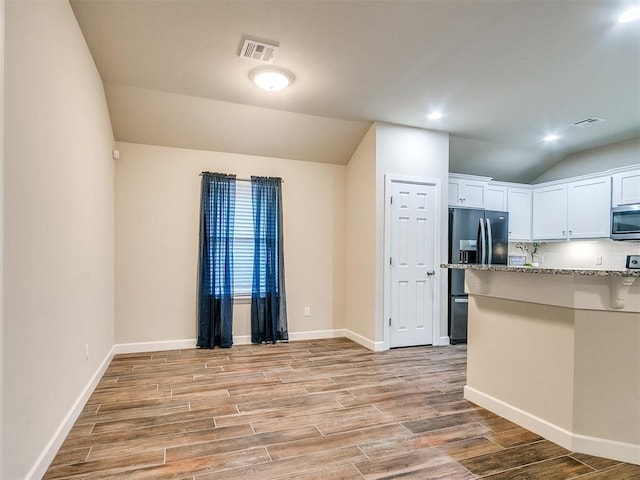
244, 179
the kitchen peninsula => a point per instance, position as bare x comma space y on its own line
558, 352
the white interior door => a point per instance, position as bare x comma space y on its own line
412, 269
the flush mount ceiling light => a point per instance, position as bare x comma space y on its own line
551, 137
271, 79
630, 15
435, 116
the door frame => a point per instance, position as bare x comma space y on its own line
391, 178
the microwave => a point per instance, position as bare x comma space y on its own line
625, 222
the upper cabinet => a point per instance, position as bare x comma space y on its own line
589, 208
550, 213
495, 198
465, 192
520, 206
626, 188
572, 210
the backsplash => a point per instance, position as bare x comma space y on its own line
584, 254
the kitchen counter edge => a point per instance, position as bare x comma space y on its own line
544, 270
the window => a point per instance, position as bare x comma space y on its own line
243, 241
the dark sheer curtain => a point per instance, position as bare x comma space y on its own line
268, 299
215, 263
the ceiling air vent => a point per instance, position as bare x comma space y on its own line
255, 50
588, 122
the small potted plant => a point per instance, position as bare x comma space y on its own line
532, 249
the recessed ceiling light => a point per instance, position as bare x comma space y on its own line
552, 137
435, 116
271, 79
630, 15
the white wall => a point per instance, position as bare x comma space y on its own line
595, 160
157, 221
414, 152
58, 228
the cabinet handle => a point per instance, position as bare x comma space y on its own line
563, 233
570, 233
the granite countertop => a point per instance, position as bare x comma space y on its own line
545, 270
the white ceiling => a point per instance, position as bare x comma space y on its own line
504, 73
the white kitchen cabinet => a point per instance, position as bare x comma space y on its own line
572, 210
589, 208
519, 206
495, 198
550, 213
466, 193
626, 188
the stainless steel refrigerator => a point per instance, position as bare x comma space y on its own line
475, 236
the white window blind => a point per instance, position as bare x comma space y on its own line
243, 238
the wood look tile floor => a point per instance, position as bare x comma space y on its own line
324, 409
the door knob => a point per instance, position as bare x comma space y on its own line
431, 272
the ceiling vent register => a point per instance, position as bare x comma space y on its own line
588, 122
255, 50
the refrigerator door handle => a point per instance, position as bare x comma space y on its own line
489, 243
482, 245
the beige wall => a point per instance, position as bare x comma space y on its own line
419, 153
386, 149
620, 154
361, 238
58, 226
607, 359
1, 222
540, 338
157, 215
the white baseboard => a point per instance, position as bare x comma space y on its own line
623, 452
46, 457
442, 341
600, 447
365, 342
297, 336
141, 347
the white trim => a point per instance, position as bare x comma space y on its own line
246, 340
464, 176
442, 341
386, 275
601, 447
51, 449
153, 346
317, 334
297, 336
524, 419
365, 342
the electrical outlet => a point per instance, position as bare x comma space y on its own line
307, 311
598, 260
86, 351
633, 261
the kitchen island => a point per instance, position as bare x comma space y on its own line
558, 352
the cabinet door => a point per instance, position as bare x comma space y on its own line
626, 188
495, 198
454, 193
589, 208
550, 213
519, 202
466, 193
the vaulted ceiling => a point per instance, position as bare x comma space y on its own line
504, 73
